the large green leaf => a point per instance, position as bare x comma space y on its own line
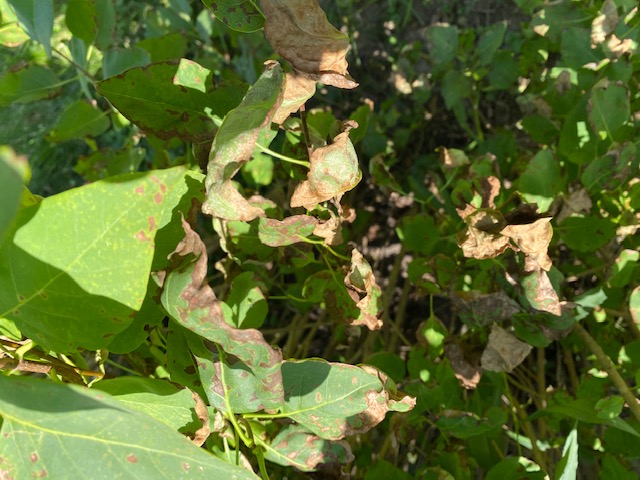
36, 16
62, 431
334, 400
78, 263
79, 120
586, 234
171, 99
14, 172
81, 18
234, 143
542, 180
240, 15
27, 84
608, 108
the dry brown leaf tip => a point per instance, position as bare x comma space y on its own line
504, 352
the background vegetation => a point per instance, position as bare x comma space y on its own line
504, 335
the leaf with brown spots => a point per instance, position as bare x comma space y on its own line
466, 370
540, 292
298, 30
298, 89
482, 239
333, 400
334, 170
234, 143
363, 289
280, 233
504, 351
533, 240
294, 446
190, 301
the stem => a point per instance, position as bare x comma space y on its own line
305, 130
86, 73
609, 367
284, 158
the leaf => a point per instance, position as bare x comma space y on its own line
504, 352
239, 15
608, 108
623, 268
567, 468
80, 292
634, 305
171, 99
298, 30
540, 292
80, 120
533, 240
234, 144
605, 23
165, 48
189, 300
59, 430
443, 43
490, 42
418, 233
363, 289
294, 446
246, 306
298, 89
542, 180
586, 234
117, 60
280, 233
27, 84
334, 400
81, 18
610, 407
481, 238
480, 309
334, 170
106, 16
14, 173
36, 16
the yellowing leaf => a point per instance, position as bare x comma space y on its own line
299, 32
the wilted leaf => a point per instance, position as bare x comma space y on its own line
334, 400
298, 89
234, 144
334, 170
484, 309
467, 374
280, 233
240, 15
50, 430
540, 292
364, 290
294, 446
298, 30
482, 239
190, 301
533, 240
504, 352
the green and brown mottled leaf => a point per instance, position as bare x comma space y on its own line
280, 233
239, 15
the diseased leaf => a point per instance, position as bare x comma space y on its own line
296, 447
334, 400
533, 240
234, 144
239, 15
83, 291
504, 352
280, 233
605, 23
171, 99
480, 309
54, 430
467, 371
540, 292
363, 289
191, 302
298, 30
334, 170
298, 89
481, 239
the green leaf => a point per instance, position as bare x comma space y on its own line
608, 108
609, 408
503, 71
623, 268
246, 306
280, 233
14, 173
512, 467
455, 88
389, 363
334, 400
117, 60
171, 100
576, 48
542, 180
81, 18
27, 84
59, 430
443, 43
234, 144
83, 290
634, 305
80, 120
239, 15
418, 233
106, 16
490, 42
106, 163
586, 234
168, 47
567, 468
36, 16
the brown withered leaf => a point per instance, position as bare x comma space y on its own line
333, 170
202, 413
364, 290
504, 351
490, 190
298, 30
467, 374
484, 309
330, 230
533, 240
297, 90
481, 238
540, 292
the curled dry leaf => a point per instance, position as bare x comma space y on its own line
533, 240
334, 170
280, 233
363, 289
481, 238
504, 352
330, 230
202, 413
467, 374
541, 294
234, 144
297, 90
298, 30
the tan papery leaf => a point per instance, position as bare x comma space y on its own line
533, 240
299, 32
298, 89
364, 290
504, 352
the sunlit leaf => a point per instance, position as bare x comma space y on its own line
240, 15
14, 173
36, 16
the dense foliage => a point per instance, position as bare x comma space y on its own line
224, 250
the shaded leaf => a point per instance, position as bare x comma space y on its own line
172, 99
586, 234
81, 18
52, 429
117, 60
240, 15
334, 170
504, 352
334, 400
83, 291
467, 371
234, 144
363, 289
79, 120
542, 180
296, 447
298, 30
481, 309
623, 268
608, 107
191, 302
280, 233
27, 84
36, 16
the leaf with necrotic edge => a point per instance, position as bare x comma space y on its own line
280, 233
234, 144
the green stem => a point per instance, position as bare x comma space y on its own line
284, 158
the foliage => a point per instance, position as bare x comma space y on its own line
257, 253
